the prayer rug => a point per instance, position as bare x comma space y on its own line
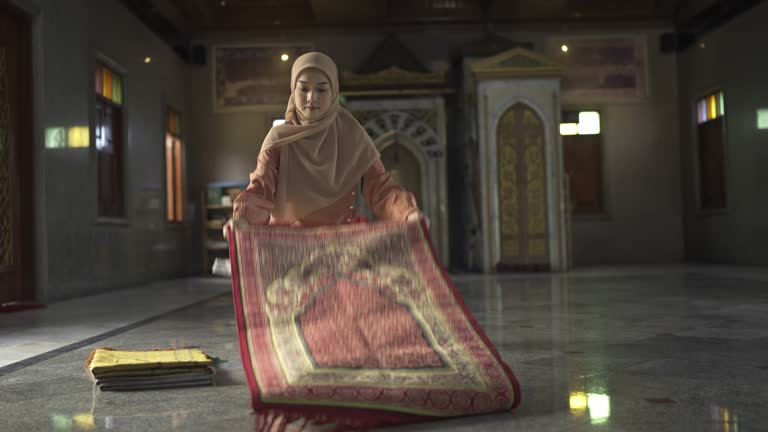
359, 324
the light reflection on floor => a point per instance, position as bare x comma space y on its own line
619, 350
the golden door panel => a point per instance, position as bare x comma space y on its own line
509, 223
522, 188
404, 169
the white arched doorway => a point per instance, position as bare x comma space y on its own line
405, 165
516, 122
410, 135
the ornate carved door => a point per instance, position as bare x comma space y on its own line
523, 233
15, 157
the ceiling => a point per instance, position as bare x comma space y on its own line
181, 21
197, 16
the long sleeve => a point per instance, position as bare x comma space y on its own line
257, 200
387, 199
263, 180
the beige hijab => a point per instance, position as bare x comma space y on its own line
319, 161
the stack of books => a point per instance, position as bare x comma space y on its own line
141, 370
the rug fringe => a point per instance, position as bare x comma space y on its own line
321, 419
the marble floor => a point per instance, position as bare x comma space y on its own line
39, 333
615, 349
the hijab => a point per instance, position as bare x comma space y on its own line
320, 161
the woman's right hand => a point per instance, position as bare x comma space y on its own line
246, 212
231, 223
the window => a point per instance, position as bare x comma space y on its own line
710, 114
61, 137
762, 118
109, 142
583, 160
173, 168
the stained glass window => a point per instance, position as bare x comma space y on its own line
710, 107
108, 134
61, 137
173, 167
109, 84
77, 137
710, 131
117, 89
55, 137
762, 118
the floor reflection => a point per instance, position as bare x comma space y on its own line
81, 422
615, 350
76, 422
596, 407
727, 419
277, 421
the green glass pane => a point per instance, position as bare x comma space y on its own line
721, 101
762, 118
55, 137
61, 423
117, 89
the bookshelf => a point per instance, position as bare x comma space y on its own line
216, 208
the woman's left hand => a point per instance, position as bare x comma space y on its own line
418, 216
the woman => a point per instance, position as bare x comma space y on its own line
309, 169
358, 315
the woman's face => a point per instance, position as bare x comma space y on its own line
312, 95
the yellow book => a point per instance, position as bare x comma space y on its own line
152, 372
109, 360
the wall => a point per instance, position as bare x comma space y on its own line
77, 254
229, 142
644, 223
648, 148
732, 60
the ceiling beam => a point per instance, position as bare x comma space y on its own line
164, 20
169, 10
195, 18
336, 12
199, 8
688, 31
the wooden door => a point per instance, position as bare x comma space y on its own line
583, 161
16, 155
522, 181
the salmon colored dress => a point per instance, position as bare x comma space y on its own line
388, 200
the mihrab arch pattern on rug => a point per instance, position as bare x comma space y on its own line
360, 324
